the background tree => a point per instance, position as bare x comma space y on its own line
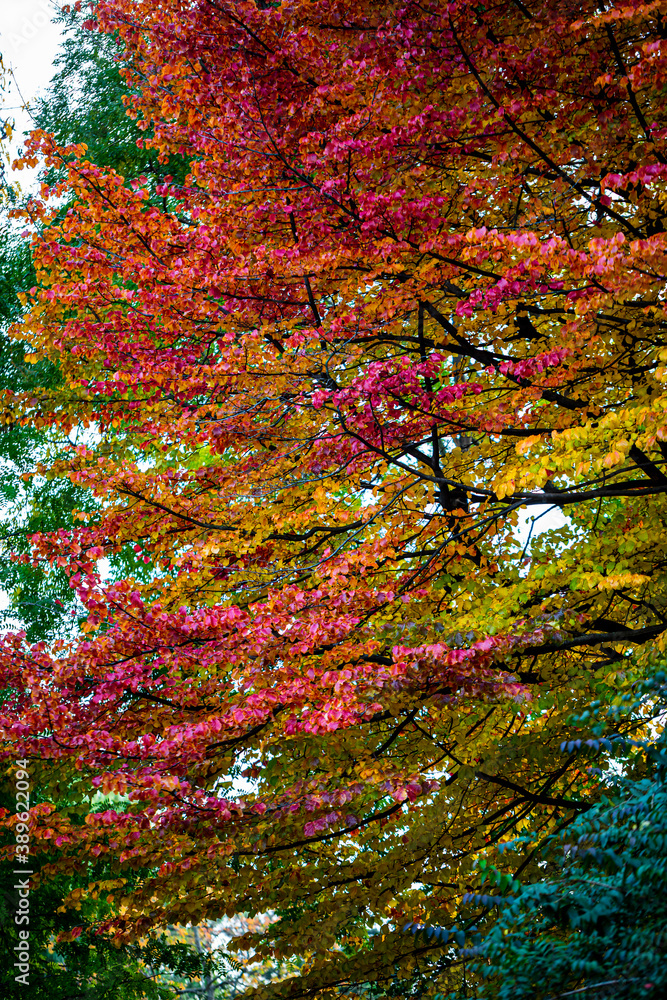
227, 976
410, 283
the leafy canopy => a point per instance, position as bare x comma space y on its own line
410, 283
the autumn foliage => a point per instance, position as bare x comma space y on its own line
409, 290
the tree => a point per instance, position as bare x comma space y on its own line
411, 283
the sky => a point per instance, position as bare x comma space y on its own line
28, 43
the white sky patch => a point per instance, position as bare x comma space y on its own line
542, 517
